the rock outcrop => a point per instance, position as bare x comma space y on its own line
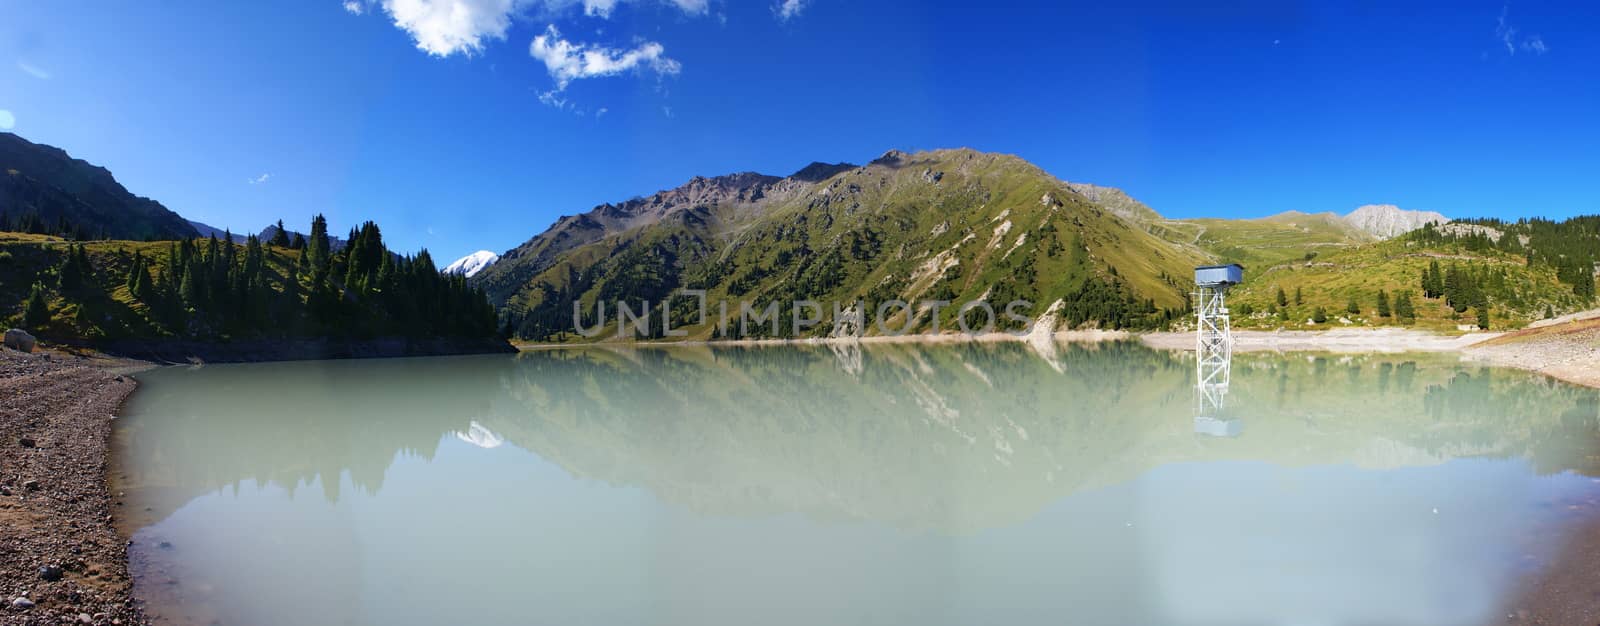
1387, 220
18, 339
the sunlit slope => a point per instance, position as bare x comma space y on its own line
1265, 242
1516, 292
947, 224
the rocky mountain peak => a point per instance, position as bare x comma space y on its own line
1387, 220
818, 171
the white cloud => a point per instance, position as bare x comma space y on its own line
7, 120
602, 8
33, 70
1507, 34
692, 7
258, 179
601, 113
445, 27
554, 99
599, 8
789, 8
568, 61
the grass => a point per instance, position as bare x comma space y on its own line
1329, 281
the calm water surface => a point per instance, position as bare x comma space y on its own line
977, 484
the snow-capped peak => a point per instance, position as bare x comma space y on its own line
472, 263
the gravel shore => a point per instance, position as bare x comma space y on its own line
61, 559
1569, 351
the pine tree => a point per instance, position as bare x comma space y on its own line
1319, 315
318, 246
1403, 307
280, 238
189, 287
1297, 299
1283, 298
1549, 312
299, 242
133, 271
37, 312
74, 269
1352, 307
1483, 317
1383, 304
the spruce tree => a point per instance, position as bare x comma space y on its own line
1483, 317
74, 269
318, 246
280, 238
1297, 299
37, 312
1352, 307
1319, 315
1283, 298
1383, 304
1403, 307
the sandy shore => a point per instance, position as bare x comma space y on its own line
61, 559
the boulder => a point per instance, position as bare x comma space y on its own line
50, 573
18, 339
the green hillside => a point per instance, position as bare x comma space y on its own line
1281, 238
204, 289
959, 225
954, 225
1513, 290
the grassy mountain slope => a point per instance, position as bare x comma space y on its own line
949, 224
45, 183
1275, 239
1517, 292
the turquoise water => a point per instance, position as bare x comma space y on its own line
970, 484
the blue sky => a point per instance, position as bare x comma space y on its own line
467, 124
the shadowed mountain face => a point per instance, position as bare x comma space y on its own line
47, 183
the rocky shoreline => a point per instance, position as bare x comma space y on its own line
61, 557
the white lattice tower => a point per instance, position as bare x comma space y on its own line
1213, 348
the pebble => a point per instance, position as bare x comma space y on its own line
50, 573
22, 603
83, 618
31, 485
26, 442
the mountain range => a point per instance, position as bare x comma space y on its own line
471, 264
45, 183
955, 224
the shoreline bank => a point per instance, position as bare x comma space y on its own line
260, 350
61, 554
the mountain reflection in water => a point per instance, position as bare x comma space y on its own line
962, 483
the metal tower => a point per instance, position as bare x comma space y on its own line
1213, 346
